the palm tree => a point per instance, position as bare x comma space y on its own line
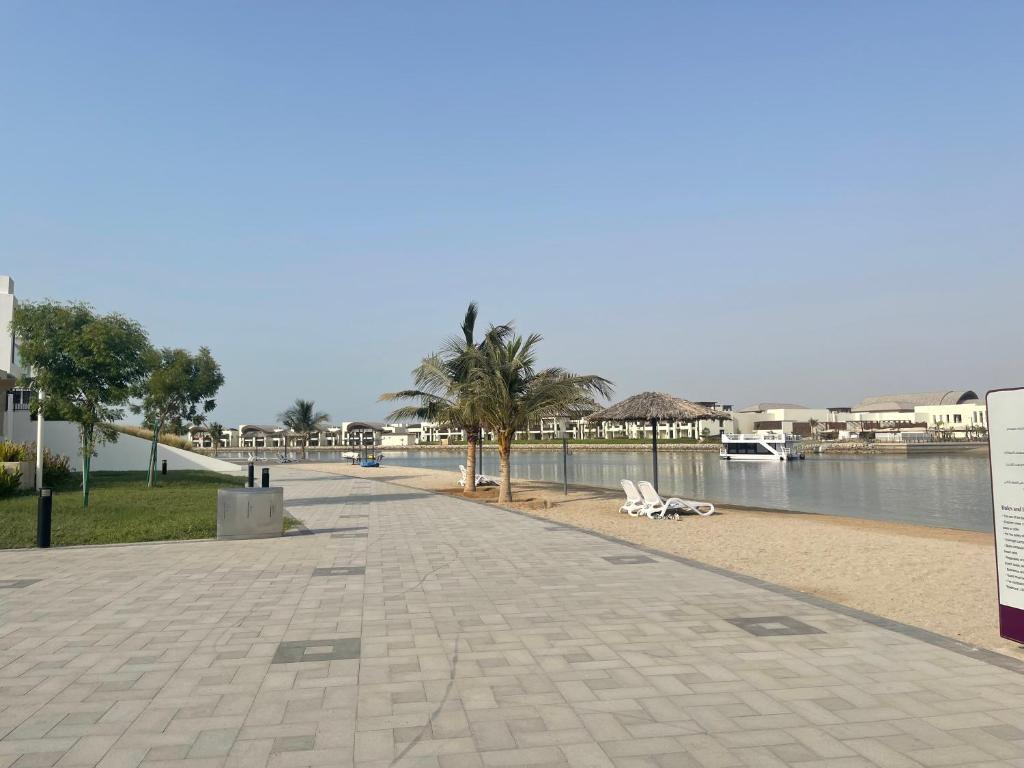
304, 420
813, 424
441, 387
216, 433
510, 392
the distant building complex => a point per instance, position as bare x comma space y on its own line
948, 415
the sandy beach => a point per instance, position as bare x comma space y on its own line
938, 579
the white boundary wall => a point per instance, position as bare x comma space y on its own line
128, 453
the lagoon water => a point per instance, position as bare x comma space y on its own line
950, 491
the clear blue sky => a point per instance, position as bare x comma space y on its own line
797, 201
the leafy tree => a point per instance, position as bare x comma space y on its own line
180, 389
510, 392
87, 365
303, 419
216, 432
441, 387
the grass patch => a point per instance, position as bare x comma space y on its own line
121, 509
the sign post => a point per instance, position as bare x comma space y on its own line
1006, 462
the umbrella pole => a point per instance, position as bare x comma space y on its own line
654, 451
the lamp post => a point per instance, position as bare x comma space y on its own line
565, 455
654, 451
39, 441
480, 453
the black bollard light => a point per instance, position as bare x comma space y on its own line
265, 478
44, 514
163, 467
251, 481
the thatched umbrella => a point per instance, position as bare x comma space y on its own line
655, 407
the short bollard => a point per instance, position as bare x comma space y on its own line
43, 517
163, 467
251, 482
265, 478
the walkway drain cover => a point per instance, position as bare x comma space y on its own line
352, 528
630, 559
343, 570
348, 535
775, 626
317, 650
17, 583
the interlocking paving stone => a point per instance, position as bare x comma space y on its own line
317, 650
344, 570
473, 639
774, 626
629, 559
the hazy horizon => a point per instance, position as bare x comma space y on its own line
746, 202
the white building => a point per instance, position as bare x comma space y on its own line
958, 413
789, 418
14, 399
251, 436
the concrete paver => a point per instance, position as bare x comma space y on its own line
413, 629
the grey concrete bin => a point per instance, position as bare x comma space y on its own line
250, 513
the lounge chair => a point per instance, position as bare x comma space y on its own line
634, 505
655, 506
480, 479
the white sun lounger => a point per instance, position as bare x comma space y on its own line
634, 505
655, 506
480, 479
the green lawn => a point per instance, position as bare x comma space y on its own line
121, 509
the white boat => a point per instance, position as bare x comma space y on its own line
767, 446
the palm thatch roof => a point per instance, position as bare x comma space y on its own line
657, 405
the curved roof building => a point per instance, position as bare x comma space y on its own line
909, 401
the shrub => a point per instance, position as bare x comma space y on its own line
14, 451
56, 468
10, 482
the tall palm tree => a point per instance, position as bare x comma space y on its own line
216, 433
510, 392
304, 420
441, 387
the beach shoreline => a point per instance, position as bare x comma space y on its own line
939, 579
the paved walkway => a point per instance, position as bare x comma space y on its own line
411, 629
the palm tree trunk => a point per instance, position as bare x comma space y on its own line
505, 455
471, 440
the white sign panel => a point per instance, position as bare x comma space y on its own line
1006, 446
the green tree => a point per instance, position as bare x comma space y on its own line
441, 387
87, 365
216, 432
510, 392
180, 389
304, 420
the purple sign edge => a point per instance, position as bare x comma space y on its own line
1011, 620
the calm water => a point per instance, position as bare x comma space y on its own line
951, 491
